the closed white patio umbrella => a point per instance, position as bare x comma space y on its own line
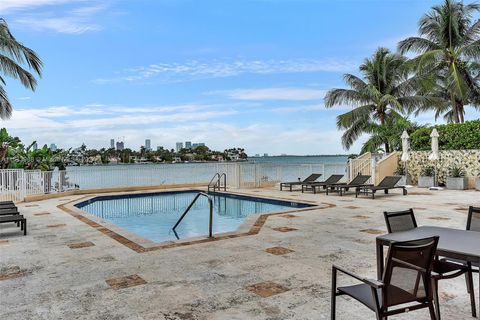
405, 154
405, 147
435, 156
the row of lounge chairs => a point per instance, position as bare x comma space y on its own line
359, 184
9, 214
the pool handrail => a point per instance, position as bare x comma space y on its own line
210, 203
218, 182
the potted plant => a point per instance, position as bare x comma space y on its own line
406, 180
456, 179
426, 178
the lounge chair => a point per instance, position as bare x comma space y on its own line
334, 178
405, 285
388, 183
18, 219
398, 221
310, 179
341, 188
7, 203
8, 211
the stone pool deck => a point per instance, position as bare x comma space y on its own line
67, 269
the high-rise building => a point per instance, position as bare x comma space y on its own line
199, 144
188, 144
53, 147
120, 145
179, 146
148, 144
112, 143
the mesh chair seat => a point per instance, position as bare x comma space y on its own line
444, 267
363, 294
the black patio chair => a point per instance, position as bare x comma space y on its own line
333, 179
310, 179
406, 282
443, 269
341, 188
388, 183
473, 221
18, 219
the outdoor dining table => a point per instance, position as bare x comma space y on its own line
453, 243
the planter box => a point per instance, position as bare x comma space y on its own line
457, 183
477, 183
406, 180
425, 182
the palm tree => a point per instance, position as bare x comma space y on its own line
449, 47
12, 55
385, 92
390, 132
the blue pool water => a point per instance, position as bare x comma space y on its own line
152, 216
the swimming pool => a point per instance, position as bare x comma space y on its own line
152, 216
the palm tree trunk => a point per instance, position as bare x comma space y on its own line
382, 123
460, 112
455, 117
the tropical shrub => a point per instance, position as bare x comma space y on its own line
452, 136
456, 172
428, 171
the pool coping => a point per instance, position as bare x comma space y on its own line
251, 226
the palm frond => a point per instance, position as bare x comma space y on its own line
12, 69
5, 106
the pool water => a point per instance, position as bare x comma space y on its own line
152, 216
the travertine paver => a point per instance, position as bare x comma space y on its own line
266, 289
42, 278
278, 250
284, 229
125, 282
79, 245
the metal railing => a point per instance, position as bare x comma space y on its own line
16, 184
217, 184
210, 204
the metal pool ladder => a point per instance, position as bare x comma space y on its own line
216, 182
210, 204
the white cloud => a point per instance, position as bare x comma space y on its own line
130, 120
194, 70
76, 21
8, 5
70, 24
305, 108
295, 94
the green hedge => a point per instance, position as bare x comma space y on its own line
453, 136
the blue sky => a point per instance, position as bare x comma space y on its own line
248, 73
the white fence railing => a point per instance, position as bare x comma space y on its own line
16, 184
362, 166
